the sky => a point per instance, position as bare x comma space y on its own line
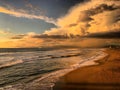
49, 22
42, 8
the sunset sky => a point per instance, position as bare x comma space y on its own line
23, 22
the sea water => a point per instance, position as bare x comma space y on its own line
22, 69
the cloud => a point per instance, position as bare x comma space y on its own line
34, 8
5, 32
18, 36
23, 36
23, 40
21, 43
93, 16
105, 35
45, 36
25, 14
95, 21
38, 36
32, 39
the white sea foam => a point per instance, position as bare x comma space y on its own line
11, 63
46, 82
91, 60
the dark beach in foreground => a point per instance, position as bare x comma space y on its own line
105, 76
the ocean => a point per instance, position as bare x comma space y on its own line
28, 69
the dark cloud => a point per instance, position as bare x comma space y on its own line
106, 35
117, 18
41, 36
85, 17
72, 25
50, 36
18, 36
101, 8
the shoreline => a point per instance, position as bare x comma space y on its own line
104, 76
49, 82
86, 62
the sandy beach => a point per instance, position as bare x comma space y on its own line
105, 76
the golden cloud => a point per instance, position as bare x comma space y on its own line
89, 17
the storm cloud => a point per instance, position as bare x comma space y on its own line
92, 16
105, 35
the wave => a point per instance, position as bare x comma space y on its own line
32, 49
47, 81
65, 56
10, 63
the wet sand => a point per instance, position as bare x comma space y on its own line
105, 76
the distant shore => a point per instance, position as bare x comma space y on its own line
105, 76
